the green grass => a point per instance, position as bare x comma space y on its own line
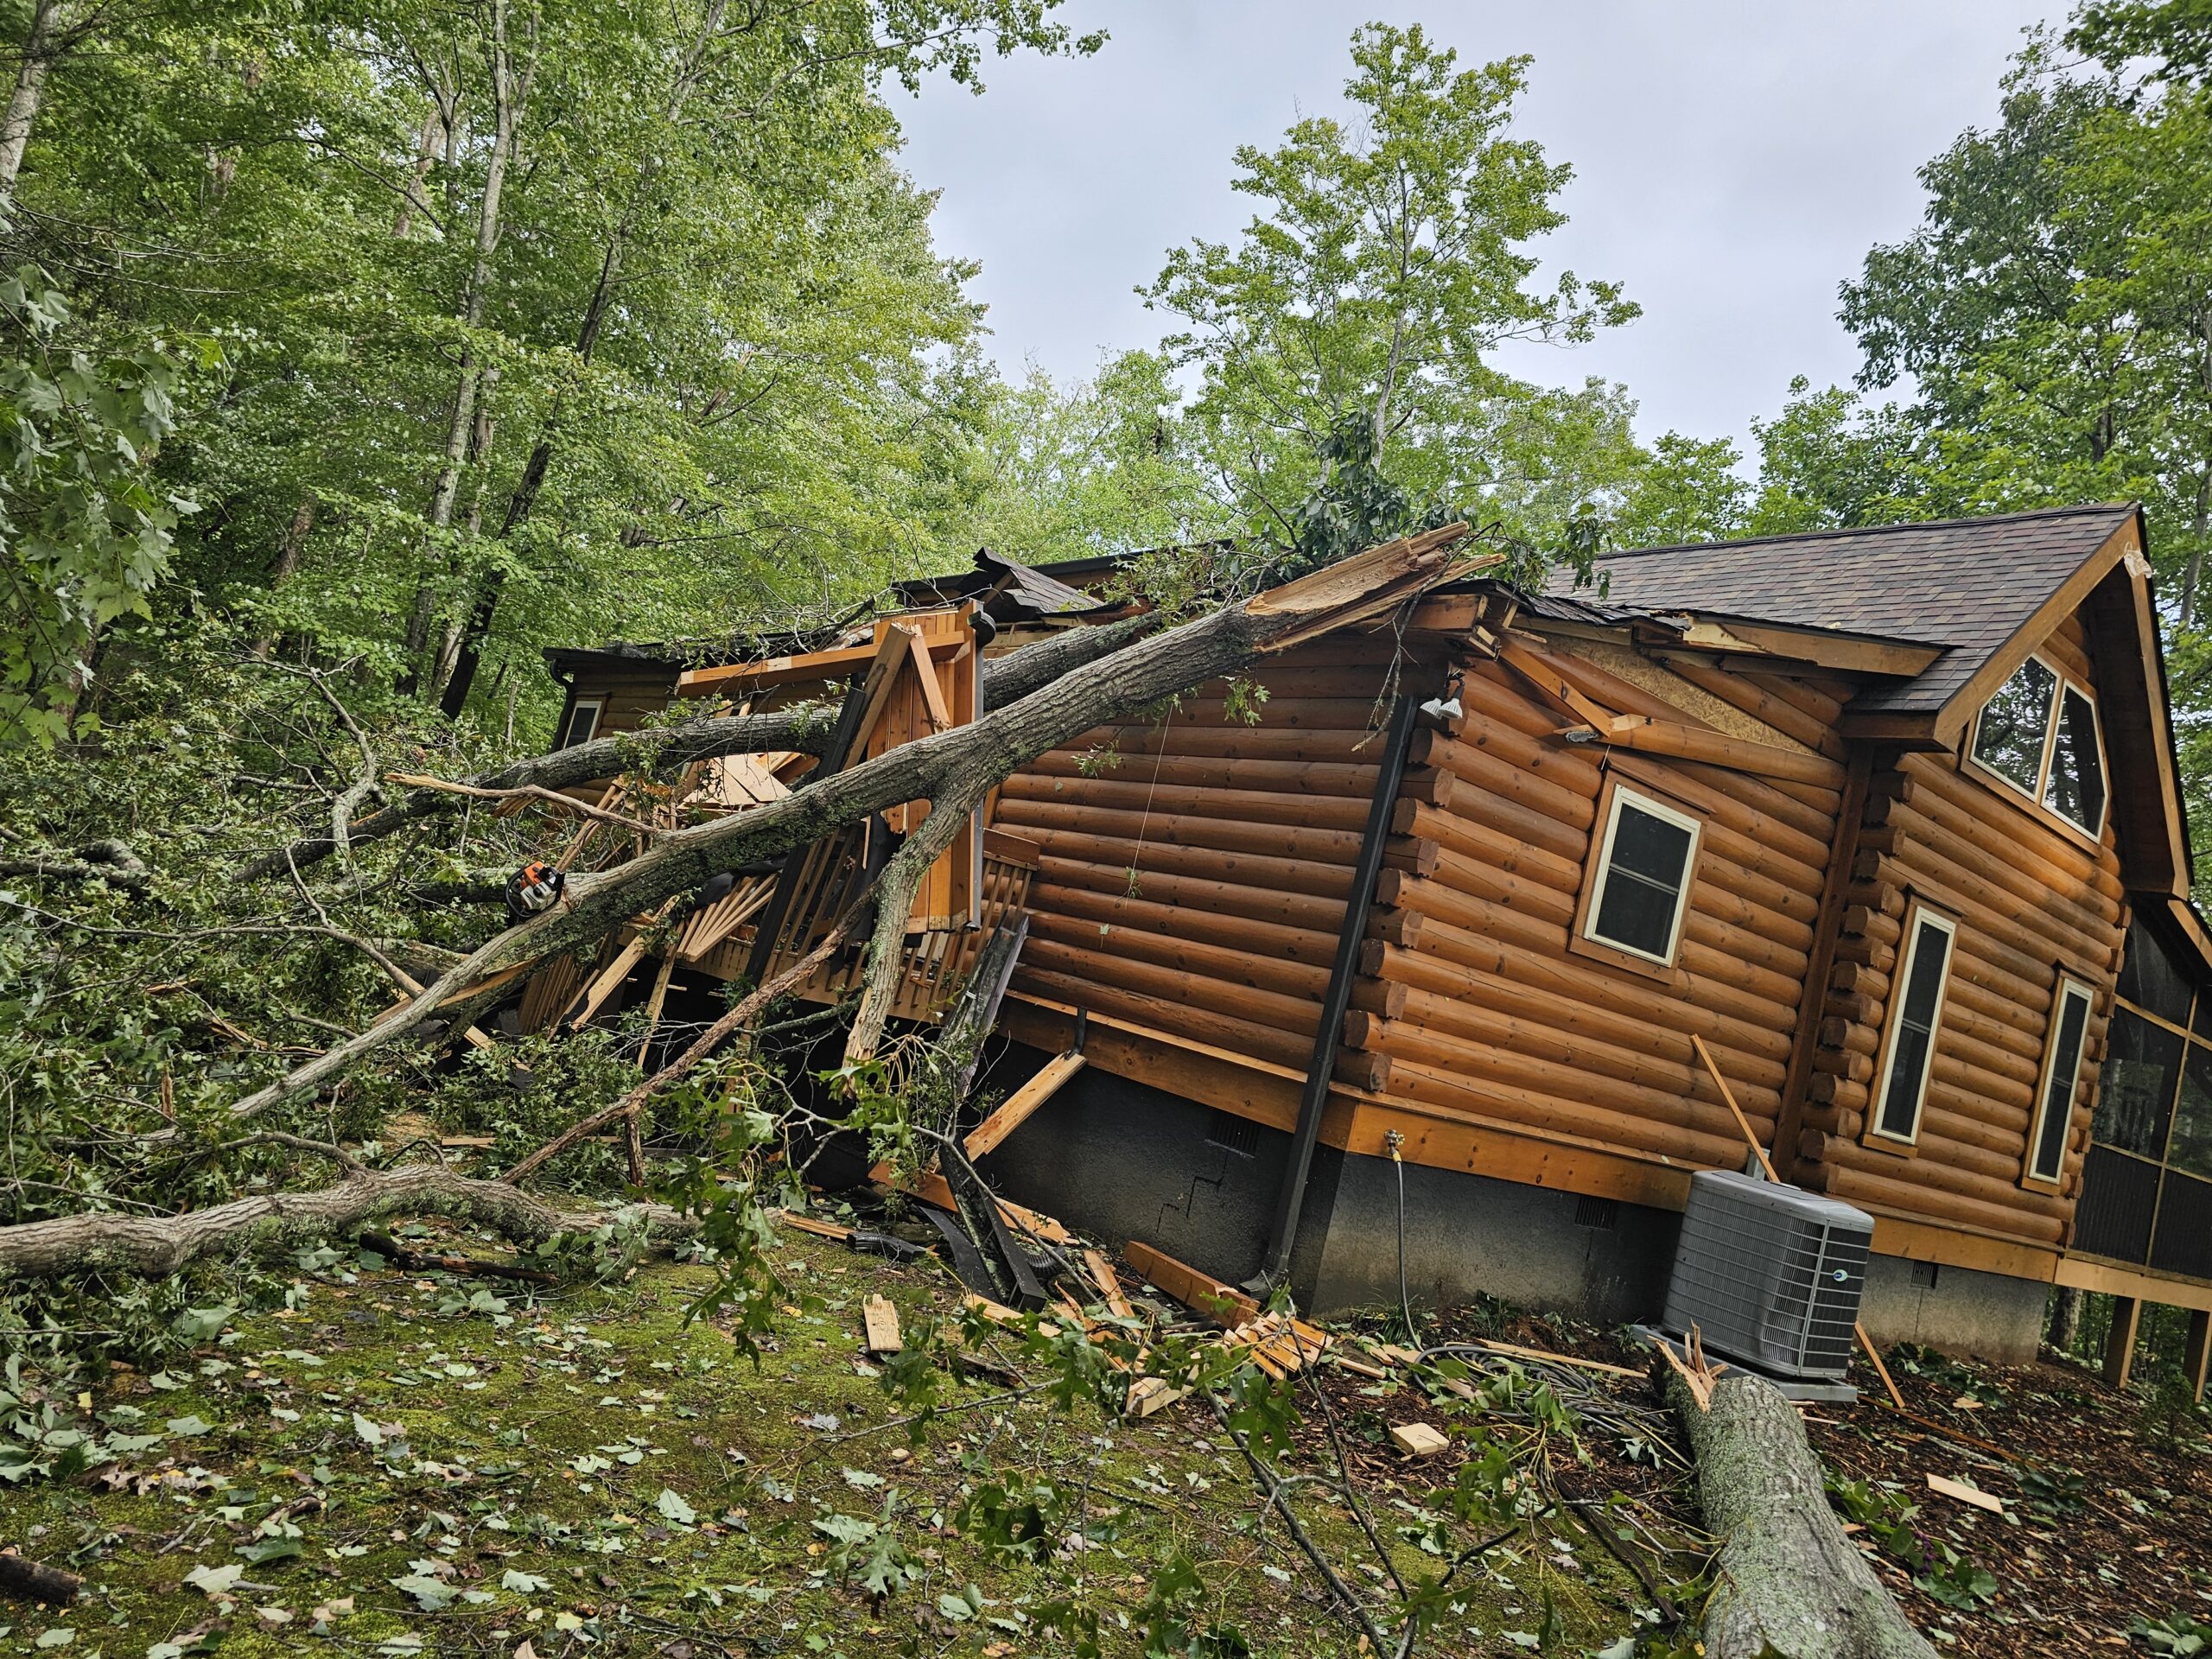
589, 1472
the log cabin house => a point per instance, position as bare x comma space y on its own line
1872, 837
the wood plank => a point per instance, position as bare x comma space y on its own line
1728, 1096
2112, 1278
1018, 1106
613, 975
880, 1321
1682, 742
1943, 1487
774, 670
1418, 1440
792, 1218
933, 1190
1109, 1284
1208, 1295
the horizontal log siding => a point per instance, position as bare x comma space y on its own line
1504, 1023
2029, 898
1195, 868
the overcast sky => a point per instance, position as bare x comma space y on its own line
1733, 160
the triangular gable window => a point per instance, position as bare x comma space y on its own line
2039, 735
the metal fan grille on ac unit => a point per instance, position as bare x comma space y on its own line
1770, 1274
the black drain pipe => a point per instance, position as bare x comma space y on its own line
1283, 1233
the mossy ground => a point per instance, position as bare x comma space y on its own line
591, 1470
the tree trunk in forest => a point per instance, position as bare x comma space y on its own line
509, 88
2065, 1318
468, 653
43, 41
156, 1246
1788, 1580
952, 770
288, 560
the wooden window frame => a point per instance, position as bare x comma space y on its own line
1596, 866
598, 706
1872, 1134
2068, 985
2033, 799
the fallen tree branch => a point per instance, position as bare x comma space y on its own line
740, 1014
805, 730
427, 1261
1787, 1579
111, 861
537, 792
31, 1580
953, 769
156, 1246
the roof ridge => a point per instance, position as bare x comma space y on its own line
2082, 509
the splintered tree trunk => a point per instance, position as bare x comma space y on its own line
1789, 1582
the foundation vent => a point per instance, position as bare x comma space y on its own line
1770, 1274
1602, 1214
1233, 1134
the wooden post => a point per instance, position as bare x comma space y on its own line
2198, 1352
2120, 1345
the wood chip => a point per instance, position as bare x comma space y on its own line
883, 1322
1148, 1394
1966, 1494
809, 1225
1417, 1439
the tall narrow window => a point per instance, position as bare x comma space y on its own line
2062, 1075
1643, 878
1915, 1009
583, 723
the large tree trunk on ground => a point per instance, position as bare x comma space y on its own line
1788, 1581
156, 1246
952, 770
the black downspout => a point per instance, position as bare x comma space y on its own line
1283, 1233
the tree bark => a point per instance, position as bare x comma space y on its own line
1788, 1580
952, 770
44, 42
156, 1246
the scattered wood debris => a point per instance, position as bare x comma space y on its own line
1417, 1439
1966, 1494
880, 1321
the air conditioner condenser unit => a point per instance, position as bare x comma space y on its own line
1771, 1276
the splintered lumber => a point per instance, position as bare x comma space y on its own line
1224, 1304
1729, 1097
1787, 1579
1016, 1108
1963, 1493
792, 1218
603, 987
1859, 1330
1148, 1394
1417, 1439
935, 1191
1109, 1284
1279, 1345
880, 1321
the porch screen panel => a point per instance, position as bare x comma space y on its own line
2118, 1195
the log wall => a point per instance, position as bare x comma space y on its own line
1501, 1019
2031, 898
1194, 866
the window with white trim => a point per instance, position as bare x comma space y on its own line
583, 722
2061, 1078
1643, 878
2039, 734
1916, 1012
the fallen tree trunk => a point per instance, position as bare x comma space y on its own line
804, 730
952, 770
156, 1246
1788, 1581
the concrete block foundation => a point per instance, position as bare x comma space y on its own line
1120, 1159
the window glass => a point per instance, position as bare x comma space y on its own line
2149, 978
2065, 1076
2008, 738
583, 725
2076, 789
1640, 891
1912, 1039
2190, 1146
2135, 1089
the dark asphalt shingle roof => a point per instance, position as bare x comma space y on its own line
1967, 584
